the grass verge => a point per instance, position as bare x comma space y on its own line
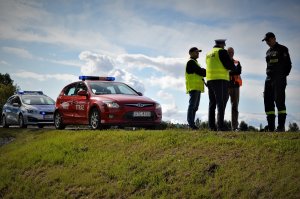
45, 163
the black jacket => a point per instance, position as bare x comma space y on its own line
192, 67
278, 61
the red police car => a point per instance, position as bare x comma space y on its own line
101, 103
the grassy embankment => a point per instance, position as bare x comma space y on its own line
152, 164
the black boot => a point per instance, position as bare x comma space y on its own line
271, 122
281, 122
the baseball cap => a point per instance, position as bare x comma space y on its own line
220, 41
268, 36
194, 49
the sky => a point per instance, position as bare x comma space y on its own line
45, 45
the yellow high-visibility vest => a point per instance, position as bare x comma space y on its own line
194, 81
214, 67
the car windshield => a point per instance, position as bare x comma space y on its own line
37, 100
104, 88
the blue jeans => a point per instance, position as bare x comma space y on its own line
193, 107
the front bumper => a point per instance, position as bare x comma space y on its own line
35, 119
127, 118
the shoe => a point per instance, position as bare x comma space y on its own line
194, 128
280, 129
267, 129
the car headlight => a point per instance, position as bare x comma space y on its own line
111, 104
157, 106
32, 111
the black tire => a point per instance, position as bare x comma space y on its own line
4, 124
94, 119
40, 126
21, 122
58, 121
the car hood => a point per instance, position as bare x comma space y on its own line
122, 99
48, 108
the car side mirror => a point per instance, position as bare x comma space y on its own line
140, 94
16, 105
82, 93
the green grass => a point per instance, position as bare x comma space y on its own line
149, 164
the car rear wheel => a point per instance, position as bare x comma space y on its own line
95, 119
4, 124
21, 122
58, 121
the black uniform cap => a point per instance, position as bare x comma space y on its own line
268, 36
220, 41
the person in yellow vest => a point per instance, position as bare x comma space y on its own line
194, 82
218, 64
234, 89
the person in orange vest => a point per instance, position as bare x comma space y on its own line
234, 89
194, 82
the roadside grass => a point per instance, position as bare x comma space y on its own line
46, 163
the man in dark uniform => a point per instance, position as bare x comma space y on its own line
218, 64
278, 68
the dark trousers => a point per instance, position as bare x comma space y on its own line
234, 93
193, 107
274, 94
218, 97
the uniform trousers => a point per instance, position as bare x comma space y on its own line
218, 97
234, 93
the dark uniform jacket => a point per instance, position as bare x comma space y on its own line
278, 61
193, 68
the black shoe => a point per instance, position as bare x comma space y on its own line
267, 129
280, 129
194, 128
223, 129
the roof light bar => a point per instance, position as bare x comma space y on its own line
29, 92
83, 78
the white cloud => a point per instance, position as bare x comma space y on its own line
167, 82
128, 78
95, 63
44, 77
173, 66
20, 52
165, 95
3, 62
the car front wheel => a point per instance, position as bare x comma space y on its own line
21, 122
58, 121
95, 119
4, 124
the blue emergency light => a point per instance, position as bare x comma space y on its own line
29, 92
83, 78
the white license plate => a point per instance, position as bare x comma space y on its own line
48, 117
141, 114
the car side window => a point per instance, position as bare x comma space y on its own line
70, 90
10, 100
80, 87
16, 100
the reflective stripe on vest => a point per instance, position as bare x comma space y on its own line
214, 67
194, 81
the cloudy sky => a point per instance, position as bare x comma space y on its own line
45, 45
